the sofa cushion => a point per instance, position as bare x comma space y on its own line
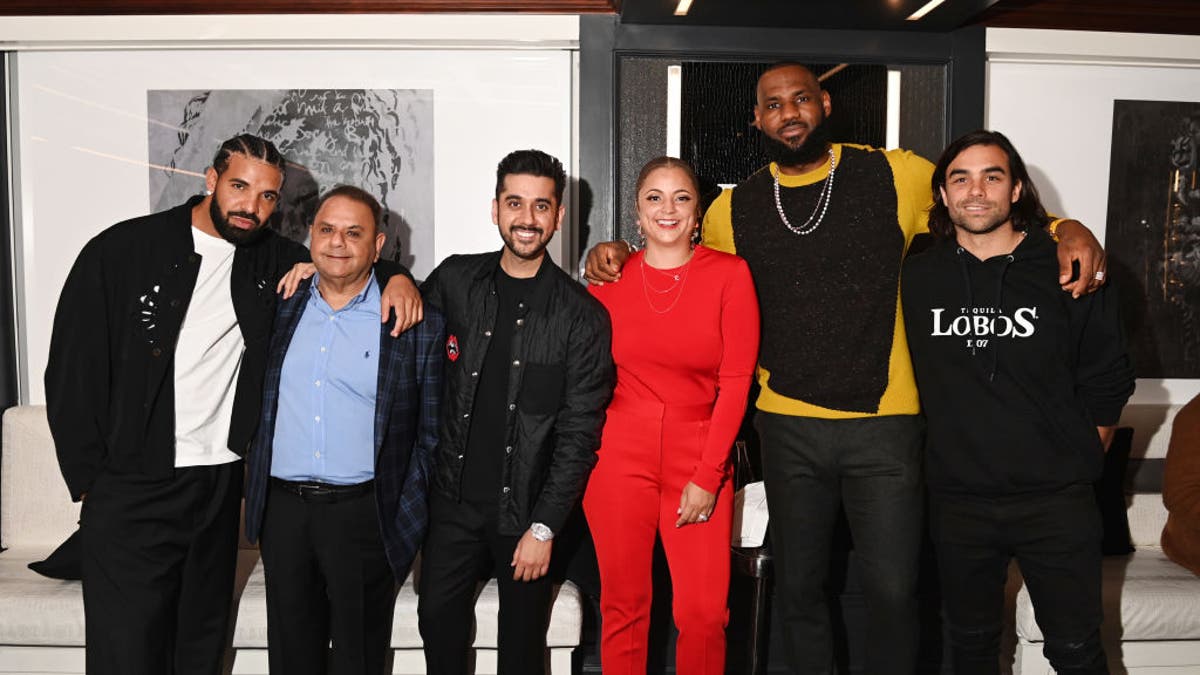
35, 610
35, 507
1150, 598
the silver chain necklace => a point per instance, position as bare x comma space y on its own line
822, 205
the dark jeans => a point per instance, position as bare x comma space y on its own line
871, 468
1056, 541
330, 589
159, 557
461, 549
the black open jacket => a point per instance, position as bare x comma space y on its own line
556, 395
110, 392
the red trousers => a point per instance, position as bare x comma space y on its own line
647, 456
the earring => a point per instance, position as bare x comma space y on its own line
641, 238
695, 236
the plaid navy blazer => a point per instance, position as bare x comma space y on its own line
406, 428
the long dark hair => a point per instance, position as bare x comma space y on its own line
1027, 211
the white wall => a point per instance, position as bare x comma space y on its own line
1052, 93
79, 129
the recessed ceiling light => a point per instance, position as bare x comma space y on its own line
682, 8
925, 9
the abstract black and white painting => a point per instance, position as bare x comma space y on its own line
378, 139
1153, 235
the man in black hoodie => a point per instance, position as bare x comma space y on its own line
1021, 385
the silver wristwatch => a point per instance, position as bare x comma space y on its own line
541, 532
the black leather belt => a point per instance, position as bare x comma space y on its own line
315, 491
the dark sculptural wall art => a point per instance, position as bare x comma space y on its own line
1153, 235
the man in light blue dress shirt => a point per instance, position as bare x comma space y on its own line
336, 490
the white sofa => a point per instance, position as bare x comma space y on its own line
1151, 605
41, 620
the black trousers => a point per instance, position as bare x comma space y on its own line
1055, 539
330, 589
871, 467
463, 548
159, 557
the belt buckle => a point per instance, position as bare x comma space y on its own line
312, 489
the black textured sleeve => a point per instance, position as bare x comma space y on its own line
78, 371
1104, 374
589, 380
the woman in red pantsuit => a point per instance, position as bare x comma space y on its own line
685, 342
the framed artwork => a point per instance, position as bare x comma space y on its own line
1153, 235
378, 139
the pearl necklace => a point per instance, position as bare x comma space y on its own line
822, 205
680, 280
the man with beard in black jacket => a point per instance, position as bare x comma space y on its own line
528, 375
1021, 385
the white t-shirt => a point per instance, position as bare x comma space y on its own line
208, 357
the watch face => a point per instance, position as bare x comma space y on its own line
541, 532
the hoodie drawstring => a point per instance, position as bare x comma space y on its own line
962, 265
1008, 260
966, 274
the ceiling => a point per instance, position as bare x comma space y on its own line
843, 14
1144, 16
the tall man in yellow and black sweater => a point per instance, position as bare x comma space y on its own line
824, 228
1022, 386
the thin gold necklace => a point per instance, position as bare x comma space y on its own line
647, 287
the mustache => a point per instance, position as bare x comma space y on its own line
526, 228
243, 214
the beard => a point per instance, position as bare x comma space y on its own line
234, 235
814, 147
985, 227
532, 251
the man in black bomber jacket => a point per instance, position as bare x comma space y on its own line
153, 390
528, 375
1022, 386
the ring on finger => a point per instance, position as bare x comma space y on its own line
702, 518
1100, 275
